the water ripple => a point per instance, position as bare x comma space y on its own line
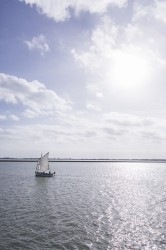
89, 206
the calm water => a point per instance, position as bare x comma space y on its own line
85, 206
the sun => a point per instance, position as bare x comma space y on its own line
130, 70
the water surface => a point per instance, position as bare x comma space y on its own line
85, 206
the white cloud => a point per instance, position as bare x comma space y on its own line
148, 128
3, 117
101, 52
30, 113
106, 41
33, 95
115, 132
156, 9
86, 133
157, 136
142, 11
121, 61
9, 117
128, 120
92, 106
115, 124
38, 43
99, 95
14, 117
159, 10
59, 10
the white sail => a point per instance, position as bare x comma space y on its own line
43, 163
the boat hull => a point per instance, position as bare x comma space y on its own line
44, 174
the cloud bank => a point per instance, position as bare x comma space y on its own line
32, 95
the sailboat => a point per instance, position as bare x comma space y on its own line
42, 167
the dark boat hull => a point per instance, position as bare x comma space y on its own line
43, 174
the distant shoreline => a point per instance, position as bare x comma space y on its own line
83, 160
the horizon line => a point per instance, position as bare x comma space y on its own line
34, 159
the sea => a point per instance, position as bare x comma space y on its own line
87, 205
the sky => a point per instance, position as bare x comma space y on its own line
83, 78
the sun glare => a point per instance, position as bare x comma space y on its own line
130, 70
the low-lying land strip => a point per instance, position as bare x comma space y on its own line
80, 160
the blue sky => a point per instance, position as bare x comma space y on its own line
83, 80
